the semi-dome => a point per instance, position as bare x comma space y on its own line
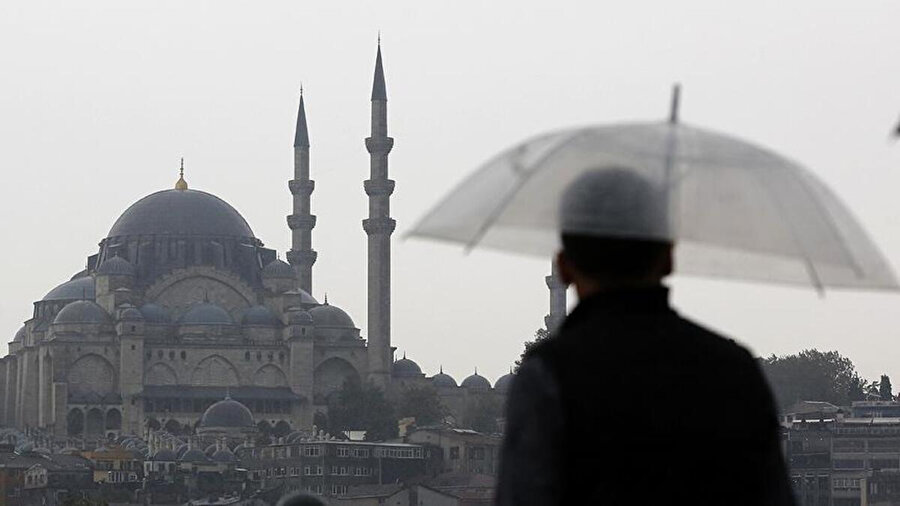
476, 382
503, 382
441, 380
210, 450
224, 455
206, 313
131, 314
82, 311
116, 266
181, 450
183, 213
165, 454
20, 335
305, 298
260, 315
74, 289
194, 455
278, 269
154, 313
331, 316
405, 368
227, 413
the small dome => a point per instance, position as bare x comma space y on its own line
227, 413
331, 316
224, 455
195, 456
278, 269
116, 266
260, 315
20, 335
441, 380
503, 382
405, 368
82, 311
131, 314
476, 382
206, 313
78, 288
297, 316
154, 313
292, 437
164, 454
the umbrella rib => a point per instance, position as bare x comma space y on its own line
807, 262
504, 202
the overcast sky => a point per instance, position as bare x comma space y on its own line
98, 100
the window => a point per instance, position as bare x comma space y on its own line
319, 471
295, 471
307, 471
344, 471
454, 452
361, 453
183, 355
343, 451
334, 470
311, 451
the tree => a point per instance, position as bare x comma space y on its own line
539, 335
359, 406
482, 413
884, 388
813, 375
421, 403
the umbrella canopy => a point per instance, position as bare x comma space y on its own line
734, 209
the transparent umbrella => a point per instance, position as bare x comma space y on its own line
735, 210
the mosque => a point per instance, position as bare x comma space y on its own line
183, 307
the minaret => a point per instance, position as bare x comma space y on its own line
557, 299
301, 222
379, 227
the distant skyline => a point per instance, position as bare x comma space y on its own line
101, 99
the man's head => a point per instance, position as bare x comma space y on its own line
615, 232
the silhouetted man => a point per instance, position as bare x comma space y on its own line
629, 403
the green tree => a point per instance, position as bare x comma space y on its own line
358, 406
813, 375
539, 335
421, 403
482, 413
884, 388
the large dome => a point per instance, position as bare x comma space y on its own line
227, 413
181, 212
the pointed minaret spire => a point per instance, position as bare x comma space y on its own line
301, 221
379, 90
379, 226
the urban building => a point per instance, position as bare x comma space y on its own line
461, 450
325, 466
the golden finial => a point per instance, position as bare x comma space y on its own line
181, 184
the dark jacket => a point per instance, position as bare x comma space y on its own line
632, 404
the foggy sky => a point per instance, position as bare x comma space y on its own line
100, 99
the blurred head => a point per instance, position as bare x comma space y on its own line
300, 499
615, 232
